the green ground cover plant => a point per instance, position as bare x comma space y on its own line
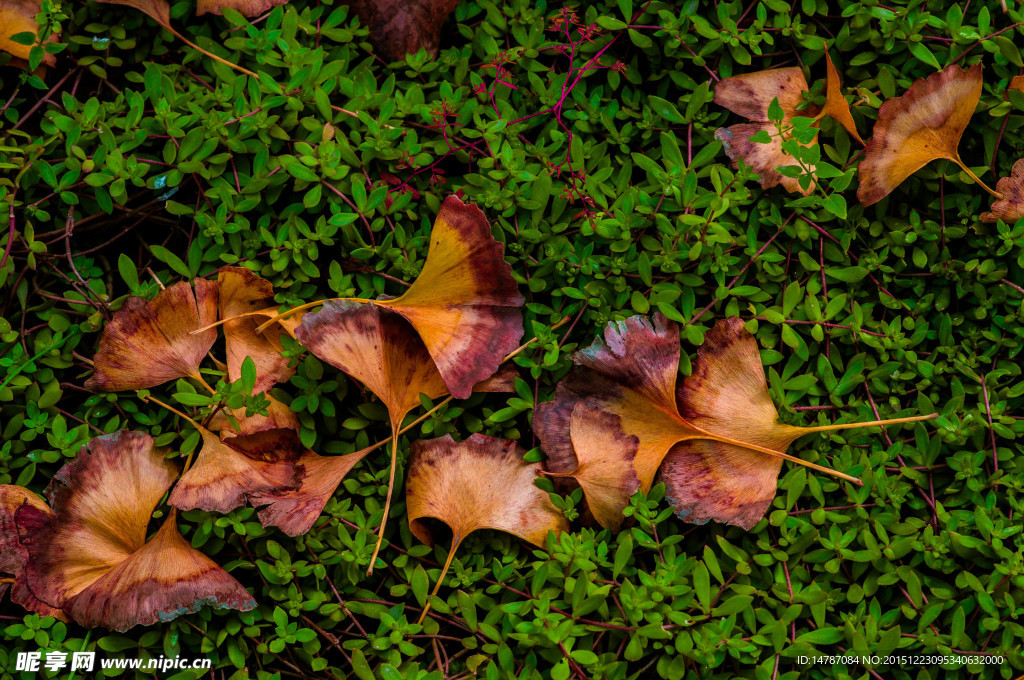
586, 133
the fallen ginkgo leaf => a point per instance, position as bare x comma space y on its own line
922, 125
90, 556
749, 95
378, 348
631, 374
464, 305
149, 342
480, 483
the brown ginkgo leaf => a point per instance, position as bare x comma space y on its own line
402, 27
19, 16
228, 472
631, 374
749, 95
90, 556
922, 125
480, 483
150, 342
13, 555
605, 462
1010, 207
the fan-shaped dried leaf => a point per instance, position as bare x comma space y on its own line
750, 95
481, 483
19, 16
726, 396
149, 342
13, 555
605, 469
90, 556
227, 472
244, 300
464, 304
631, 374
401, 27
1010, 207
922, 125
247, 8
836, 105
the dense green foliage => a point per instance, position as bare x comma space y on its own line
592, 151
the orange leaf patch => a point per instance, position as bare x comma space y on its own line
19, 16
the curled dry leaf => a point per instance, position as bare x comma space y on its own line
227, 472
923, 124
13, 555
464, 304
244, 301
19, 16
481, 483
722, 417
149, 342
1010, 207
90, 556
749, 95
401, 27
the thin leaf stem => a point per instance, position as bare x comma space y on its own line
200, 428
777, 454
283, 315
976, 179
881, 423
440, 579
387, 502
208, 53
